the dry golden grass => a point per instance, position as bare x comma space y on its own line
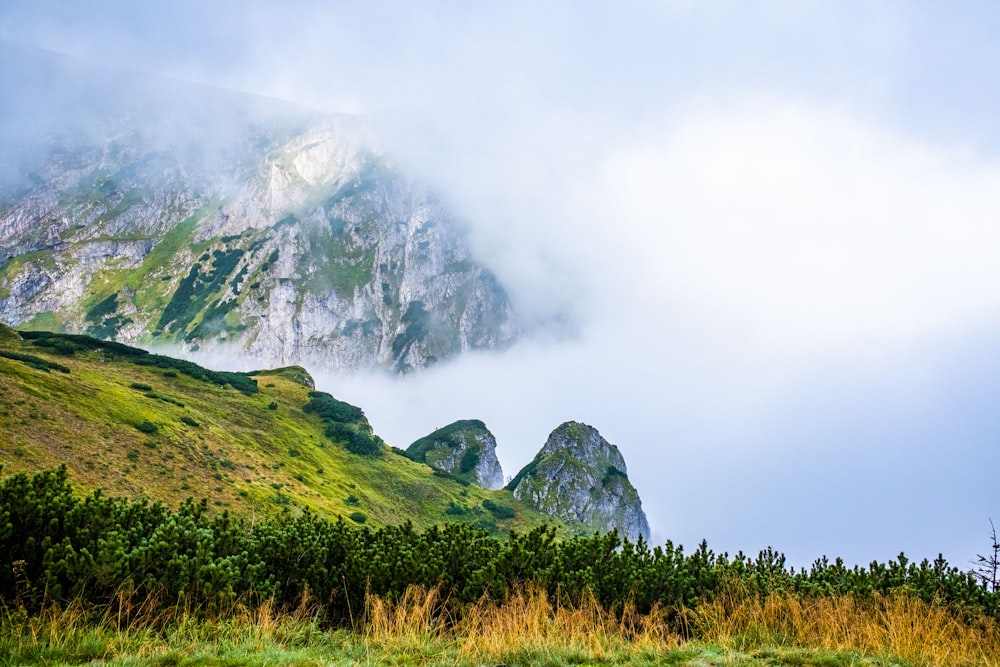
528, 623
898, 624
527, 628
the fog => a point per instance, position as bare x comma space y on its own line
752, 244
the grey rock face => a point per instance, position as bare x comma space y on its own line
309, 248
580, 477
465, 448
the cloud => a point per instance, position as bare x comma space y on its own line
769, 299
802, 229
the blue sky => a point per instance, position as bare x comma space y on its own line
772, 226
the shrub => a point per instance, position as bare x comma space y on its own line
330, 409
189, 421
354, 440
470, 459
455, 509
35, 362
499, 511
611, 474
273, 405
450, 475
147, 426
357, 517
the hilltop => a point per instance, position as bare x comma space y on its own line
136, 424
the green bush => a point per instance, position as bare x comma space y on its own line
355, 441
455, 509
35, 362
330, 409
146, 426
499, 511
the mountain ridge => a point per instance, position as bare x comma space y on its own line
288, 236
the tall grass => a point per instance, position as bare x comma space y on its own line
896, 624
527, 628
73, 635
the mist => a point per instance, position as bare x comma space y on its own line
754, 245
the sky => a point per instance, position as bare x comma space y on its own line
753, 242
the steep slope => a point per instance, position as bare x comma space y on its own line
142, 425
226, 220
465, 448
581, 478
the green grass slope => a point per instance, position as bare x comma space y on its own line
140, 425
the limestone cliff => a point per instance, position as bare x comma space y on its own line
465, 448
288, 238
581, 478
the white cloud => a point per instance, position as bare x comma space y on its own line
803, 230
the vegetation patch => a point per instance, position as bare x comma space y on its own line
195, 290
498, 510
146, 426
611, 475
345, 423
102, 320
330, 409
70, 344
355, 438
35, 362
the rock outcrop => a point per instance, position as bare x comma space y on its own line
581, 478
464, 448
290, 238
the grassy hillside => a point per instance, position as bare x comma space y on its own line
139, 425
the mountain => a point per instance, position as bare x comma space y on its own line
136, 424
204, 220
465, 448
581, 478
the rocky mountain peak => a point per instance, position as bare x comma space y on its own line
298, 242
465, 448
580, 477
